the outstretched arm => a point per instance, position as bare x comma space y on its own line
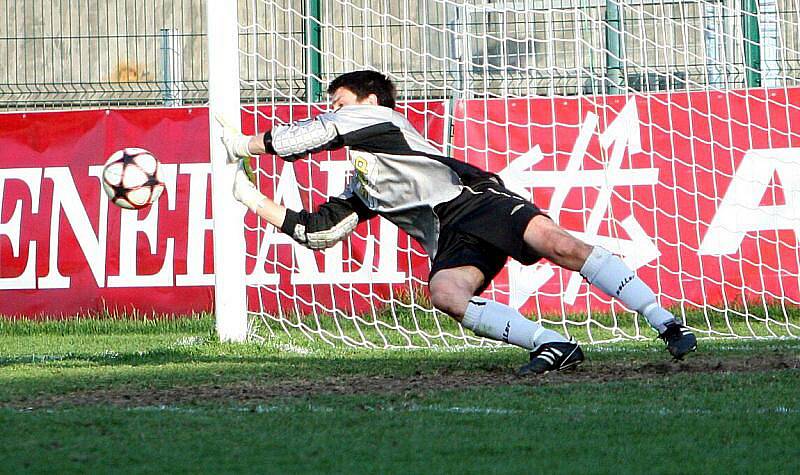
290, 141
246, 193
331, 223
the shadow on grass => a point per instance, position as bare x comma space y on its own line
326, 357
162, 368
321, 361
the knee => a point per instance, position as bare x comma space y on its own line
449, 298
451, 289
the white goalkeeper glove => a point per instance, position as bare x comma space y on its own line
235, 142
245, 191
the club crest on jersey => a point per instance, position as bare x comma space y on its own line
363, 163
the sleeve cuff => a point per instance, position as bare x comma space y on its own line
290, 221
268, 143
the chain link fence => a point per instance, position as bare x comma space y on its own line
88, 53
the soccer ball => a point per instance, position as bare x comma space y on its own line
132, 178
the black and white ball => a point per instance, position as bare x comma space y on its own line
132, 178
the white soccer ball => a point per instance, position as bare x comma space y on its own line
132, 178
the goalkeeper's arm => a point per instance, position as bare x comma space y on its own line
290, 141
331, 223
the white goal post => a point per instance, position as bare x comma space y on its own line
230, 308
666, 131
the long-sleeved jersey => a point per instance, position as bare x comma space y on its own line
397, 175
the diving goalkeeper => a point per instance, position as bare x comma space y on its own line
464, 218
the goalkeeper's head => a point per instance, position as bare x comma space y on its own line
368, 87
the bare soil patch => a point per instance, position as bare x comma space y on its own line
251, 393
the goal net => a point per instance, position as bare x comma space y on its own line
666, 131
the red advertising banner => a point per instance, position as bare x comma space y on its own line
65, 249
698, 191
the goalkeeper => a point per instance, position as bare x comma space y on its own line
465, 219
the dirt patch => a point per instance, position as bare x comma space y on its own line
250, 393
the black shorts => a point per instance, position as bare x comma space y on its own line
483, 227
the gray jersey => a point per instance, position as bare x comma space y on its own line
398, 174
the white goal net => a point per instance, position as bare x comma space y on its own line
666, 131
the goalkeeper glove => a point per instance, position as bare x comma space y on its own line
245, 191
235, 142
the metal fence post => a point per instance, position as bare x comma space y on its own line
171, 67
614, 59
770, 43
752, 43
712, 36
313, 29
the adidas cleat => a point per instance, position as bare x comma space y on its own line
679, 339
554, 356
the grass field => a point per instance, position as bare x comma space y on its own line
143, 397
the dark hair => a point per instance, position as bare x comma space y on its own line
364, 83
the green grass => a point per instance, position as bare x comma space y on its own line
410, 322
635, 420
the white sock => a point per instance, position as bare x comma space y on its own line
608, 273
502, 323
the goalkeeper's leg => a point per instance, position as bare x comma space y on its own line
611, 275
452, 291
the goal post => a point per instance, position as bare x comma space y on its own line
665, 131
230, 308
